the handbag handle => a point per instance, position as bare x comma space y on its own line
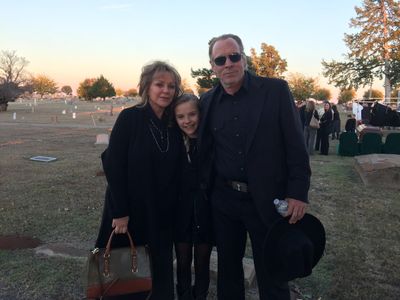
107, 254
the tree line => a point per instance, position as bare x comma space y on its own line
16, 81
374, 53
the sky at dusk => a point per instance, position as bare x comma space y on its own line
73, 40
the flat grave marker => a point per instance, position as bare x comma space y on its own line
43, 158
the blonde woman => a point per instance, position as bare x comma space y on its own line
141, 165
310, 132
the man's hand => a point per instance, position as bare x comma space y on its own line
296, 209
120, 224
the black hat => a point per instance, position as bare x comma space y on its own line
292, 250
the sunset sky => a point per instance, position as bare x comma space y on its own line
73, 40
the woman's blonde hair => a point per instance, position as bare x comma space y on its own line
310, 106
147, 76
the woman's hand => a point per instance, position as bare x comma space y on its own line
120, 225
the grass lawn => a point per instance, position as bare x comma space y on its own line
62, 201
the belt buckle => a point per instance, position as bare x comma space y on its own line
238, 187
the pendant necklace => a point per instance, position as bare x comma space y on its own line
153, 127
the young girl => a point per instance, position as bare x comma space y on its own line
193, 221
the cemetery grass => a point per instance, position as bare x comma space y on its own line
61, 202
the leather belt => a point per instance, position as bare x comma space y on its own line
237, 186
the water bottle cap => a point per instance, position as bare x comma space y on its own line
276, 201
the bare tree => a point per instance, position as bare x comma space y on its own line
13, 80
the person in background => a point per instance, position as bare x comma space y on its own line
141, 165
252, 151
193, 230
350, 125
335, 123
301, 107
325, 127
310, 132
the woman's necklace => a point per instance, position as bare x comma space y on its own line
154, 129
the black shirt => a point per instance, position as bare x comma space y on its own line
228, 126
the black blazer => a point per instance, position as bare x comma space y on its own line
277, 162
132, 188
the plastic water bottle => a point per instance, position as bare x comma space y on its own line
281, 207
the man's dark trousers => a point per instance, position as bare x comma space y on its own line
234, 215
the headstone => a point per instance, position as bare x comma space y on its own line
102, 139
76, 107
43, 158
14, 116
61, 250
379, 170
73, 115
64, 112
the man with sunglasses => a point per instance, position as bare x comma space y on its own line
252, 151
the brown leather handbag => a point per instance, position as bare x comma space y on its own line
314, 122
118, 271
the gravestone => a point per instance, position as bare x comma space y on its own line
102, 139
380, 170
61, 250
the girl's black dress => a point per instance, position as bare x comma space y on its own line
193, 218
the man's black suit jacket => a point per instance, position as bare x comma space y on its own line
277, 162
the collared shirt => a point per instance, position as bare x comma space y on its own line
228, 124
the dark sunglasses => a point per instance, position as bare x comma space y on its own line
221, 60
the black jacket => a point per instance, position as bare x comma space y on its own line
277, 162
193, 206
142, 181
326, 121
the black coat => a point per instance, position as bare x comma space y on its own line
350, 125
277, 162
142, 181
325, 122
193, 211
